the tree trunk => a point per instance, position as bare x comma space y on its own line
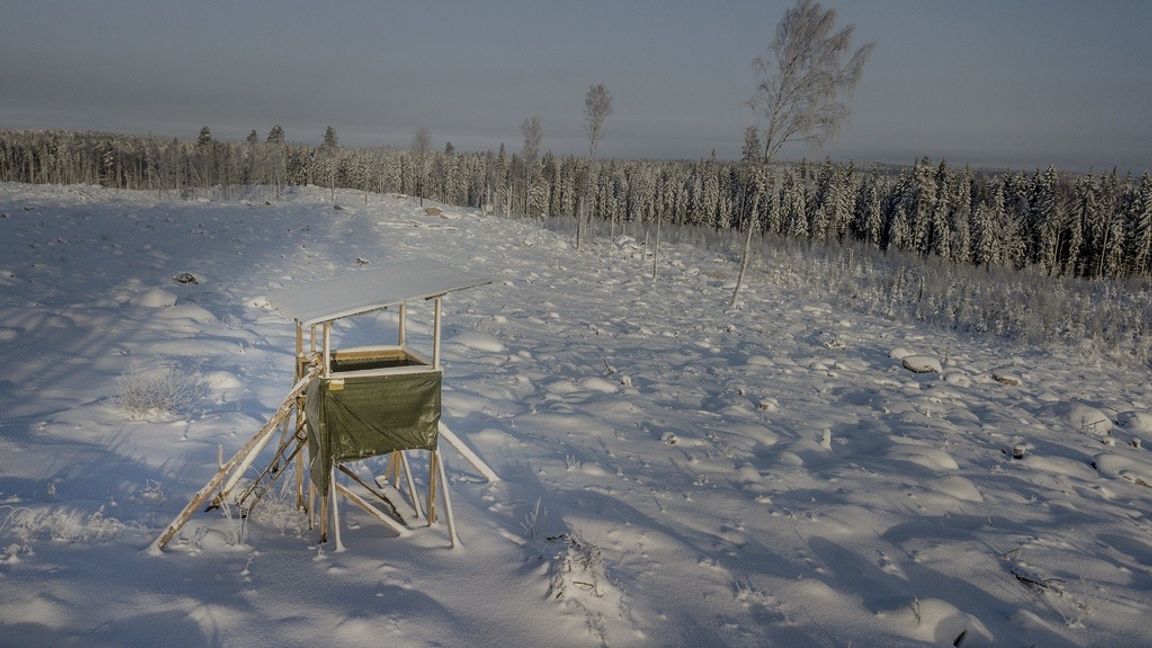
656, 250
747, 249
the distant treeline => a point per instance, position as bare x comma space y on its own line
1093, 225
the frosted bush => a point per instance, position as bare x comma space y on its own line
277, 509
59, 524
578, 564
1027, 306
156, 394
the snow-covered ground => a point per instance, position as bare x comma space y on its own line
673, 474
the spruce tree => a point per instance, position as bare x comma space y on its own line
1138, 247
899, 233
276, 136
751, 150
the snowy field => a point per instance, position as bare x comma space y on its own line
673, 474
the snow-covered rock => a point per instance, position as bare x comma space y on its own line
921, 364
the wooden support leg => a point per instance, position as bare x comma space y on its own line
453, 539
335, 510
395, 526
394, 469
311, 505
432, 462
300, 457
466, 452
412, 493
324, 518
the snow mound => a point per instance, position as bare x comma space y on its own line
1128, 467
1005, 376
1135, 422
155, 298
931, 458
932, 620
599, 385
479, 342
921, 364
899, 353
958, 487
1081, 417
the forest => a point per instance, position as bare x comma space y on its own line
1049, 222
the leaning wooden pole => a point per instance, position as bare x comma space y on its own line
432, 487
407, 468
466, 452
439, 310
260, 439
453, 539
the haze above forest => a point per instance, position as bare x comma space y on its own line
985, 83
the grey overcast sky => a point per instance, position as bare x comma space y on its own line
987, 82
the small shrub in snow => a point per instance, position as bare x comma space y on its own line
533, 519
578, 565
156, 394
277, 509
59, 524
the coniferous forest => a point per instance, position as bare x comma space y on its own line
1046, 221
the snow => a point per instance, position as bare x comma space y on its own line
921, 364
672, 473
354, 293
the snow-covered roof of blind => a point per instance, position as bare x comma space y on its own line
368, 290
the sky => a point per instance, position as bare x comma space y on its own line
1001, 83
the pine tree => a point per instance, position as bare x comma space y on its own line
795, 211
276, 136
960, 216
751, 150
899, 232
1138, 246
1085, 208
1044, 221
939, 233
843, 200
983, 237
920, 205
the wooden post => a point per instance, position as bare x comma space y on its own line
411, 484
299, 348
335, 510
327, 349
436, 333
396, 527
453, 539
312, 340
299, 481
403, 328
394, 469
324, 515
311, 505
466, 452
432, 461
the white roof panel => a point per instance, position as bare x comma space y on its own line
368, 290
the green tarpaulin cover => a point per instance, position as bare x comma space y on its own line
368, 416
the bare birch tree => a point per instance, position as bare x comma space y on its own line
803, 87
597, 106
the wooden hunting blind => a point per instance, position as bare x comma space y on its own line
353, 404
